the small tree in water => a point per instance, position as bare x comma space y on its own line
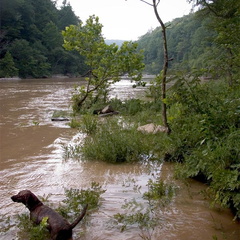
105, 62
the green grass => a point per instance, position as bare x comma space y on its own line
115, 142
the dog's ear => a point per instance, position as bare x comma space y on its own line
31, 200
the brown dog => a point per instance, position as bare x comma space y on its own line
58, 227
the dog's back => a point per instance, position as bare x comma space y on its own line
57, 225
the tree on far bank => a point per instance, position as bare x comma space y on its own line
7, 66
29, 60
106, 63
66, 16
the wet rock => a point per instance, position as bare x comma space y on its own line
107, 109
152, 128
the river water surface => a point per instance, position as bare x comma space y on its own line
31, 148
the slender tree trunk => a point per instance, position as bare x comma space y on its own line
165, 67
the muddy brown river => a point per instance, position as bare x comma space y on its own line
31, 157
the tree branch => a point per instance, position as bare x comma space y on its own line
158, 2
147, 2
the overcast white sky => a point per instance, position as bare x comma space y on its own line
128, 19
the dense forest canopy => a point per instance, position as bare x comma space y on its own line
31, 40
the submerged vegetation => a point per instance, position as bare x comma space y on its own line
146, 215
117, 143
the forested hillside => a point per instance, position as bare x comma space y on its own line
31, 40
199, 40
188, 37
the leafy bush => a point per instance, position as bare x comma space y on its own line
159, 190
76, 199
75, 123
87, 123
205, 137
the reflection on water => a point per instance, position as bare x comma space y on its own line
31, 151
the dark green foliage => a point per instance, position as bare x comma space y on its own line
188, 41
224, 19
66, 16
205, 136
31, 32
206, 39
7, 66
29, 60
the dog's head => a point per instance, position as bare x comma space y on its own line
27, 198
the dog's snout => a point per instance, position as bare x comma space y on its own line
13, 198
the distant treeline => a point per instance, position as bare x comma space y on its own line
31, 40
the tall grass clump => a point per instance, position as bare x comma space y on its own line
116, 143
87, 123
